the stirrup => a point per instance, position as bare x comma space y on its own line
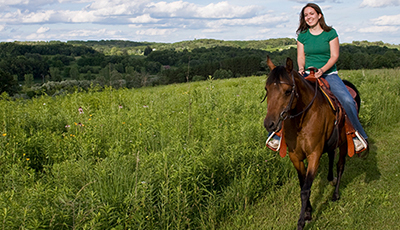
271, 142
364, 144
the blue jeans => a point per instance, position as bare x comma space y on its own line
339, 89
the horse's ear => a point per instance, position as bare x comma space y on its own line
289, 65
270, 64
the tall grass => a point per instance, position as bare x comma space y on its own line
173, 157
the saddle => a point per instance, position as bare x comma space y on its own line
341, 116
338, 110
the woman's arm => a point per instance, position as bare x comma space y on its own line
301, 57
334, 47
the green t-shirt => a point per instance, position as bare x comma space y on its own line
316, 48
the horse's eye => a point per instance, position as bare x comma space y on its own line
288, 92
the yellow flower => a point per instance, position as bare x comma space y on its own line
90, 119
23, 154
4, 134
75, 123
123, 123
27, 159
140, 124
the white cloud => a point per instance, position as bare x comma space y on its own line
182, 9
155, 32
43, 16
387, 20
380, 3
2, 27
265, 20
378, 29
74, 34
146, 18
42, 30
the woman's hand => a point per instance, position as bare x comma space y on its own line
301, 72
319, 73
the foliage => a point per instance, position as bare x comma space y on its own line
147, 51
176, 157
183, 156
7, 83
168, 63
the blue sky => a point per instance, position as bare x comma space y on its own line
173, 21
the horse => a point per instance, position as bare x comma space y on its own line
308, 122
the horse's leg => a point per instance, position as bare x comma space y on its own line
331, 179
305, 214
340, 169
306, 179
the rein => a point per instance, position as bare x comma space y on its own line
309, 105
285, 113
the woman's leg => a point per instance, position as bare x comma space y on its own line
339, 89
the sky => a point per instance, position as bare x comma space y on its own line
181, 20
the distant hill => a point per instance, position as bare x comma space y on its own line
119, 47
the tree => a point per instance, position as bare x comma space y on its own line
74, 73
28, 80
148, 50
7, 83
222, 74
55, 74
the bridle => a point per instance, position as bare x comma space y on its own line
285, 113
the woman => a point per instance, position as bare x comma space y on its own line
318, 46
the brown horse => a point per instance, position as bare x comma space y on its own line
309, 124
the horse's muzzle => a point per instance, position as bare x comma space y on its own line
272, 125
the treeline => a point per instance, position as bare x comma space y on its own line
32, 65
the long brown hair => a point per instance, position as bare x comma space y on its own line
303, 24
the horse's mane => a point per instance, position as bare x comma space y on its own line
277, 75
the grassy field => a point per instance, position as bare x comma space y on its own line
370, 191
187, 156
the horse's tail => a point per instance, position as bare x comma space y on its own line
354, 93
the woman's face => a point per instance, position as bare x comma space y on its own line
311, 16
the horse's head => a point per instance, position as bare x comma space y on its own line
281, 92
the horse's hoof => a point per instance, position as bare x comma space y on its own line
333, 182
307, 216
335, 197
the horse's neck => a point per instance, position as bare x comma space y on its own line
306, 93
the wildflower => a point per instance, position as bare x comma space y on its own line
44, 103
23, 154
80, 110
27, 159
75, 123
80, 124
67, 126
145, 106
4, 134
123, 123
90, 115
120, 106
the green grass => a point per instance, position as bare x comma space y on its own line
370, 197
184, 156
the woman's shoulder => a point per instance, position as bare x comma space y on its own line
302, 35
332, 33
